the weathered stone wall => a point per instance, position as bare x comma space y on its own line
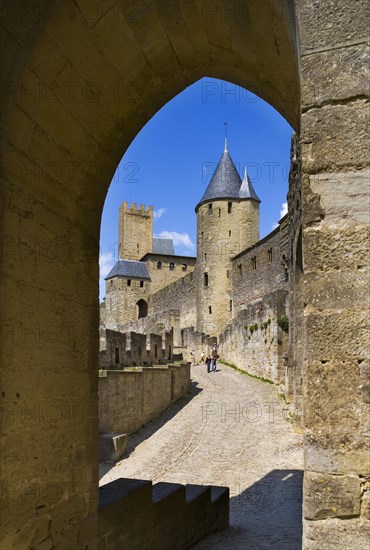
258, 270
171, 269
130, 399
178, 296
335, 235
293, 382
121, 300
255, 342
135, 231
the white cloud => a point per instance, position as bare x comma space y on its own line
159, 213
283, 211
178, 239
106, 262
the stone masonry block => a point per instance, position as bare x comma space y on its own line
331, 496
344, 196
334, 137
336, 534
334, 75
336, 334
330, 23
338, 451
112, 447
336, 247
334, 397
336, 287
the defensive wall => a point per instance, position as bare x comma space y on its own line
129, 348
254, 341
129, 399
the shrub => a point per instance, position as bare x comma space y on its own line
283, 323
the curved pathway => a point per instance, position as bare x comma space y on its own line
232, 430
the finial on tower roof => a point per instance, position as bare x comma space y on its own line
245, 171
225, 150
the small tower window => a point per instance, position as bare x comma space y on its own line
240, 270
254, 262
210, 210
269, 255
209, 309
128, 282
230, 305
159, 265
111, 282
205, 256
141, 284
116, 356
229, 207
184, 267
219, 212
229, 232
228, 274
205, 279
172, 266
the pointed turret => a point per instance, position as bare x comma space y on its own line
225, 182
246, 189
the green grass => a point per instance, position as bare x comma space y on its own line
267, 380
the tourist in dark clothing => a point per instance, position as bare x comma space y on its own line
208, 363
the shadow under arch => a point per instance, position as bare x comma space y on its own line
67, 124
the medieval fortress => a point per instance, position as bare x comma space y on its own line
160, 306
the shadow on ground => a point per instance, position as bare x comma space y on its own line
148, 430
267, 515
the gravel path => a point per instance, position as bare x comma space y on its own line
232, 430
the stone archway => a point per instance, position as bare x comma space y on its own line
142, 309
79, 83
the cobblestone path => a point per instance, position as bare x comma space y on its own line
232, 430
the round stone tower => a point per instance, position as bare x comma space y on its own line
227, 223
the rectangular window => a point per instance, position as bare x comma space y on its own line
210, 208
172, 266
269, 255
210, 309
231, 305
229, 207
141, 284
228, 274
240, 270
205, 279
230, 233
155, 351
219, 212
116, 356
254, 262
128, 282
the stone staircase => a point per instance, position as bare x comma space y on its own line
137, 515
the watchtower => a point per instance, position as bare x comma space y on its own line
135, 231
227, 223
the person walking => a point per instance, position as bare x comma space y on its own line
202, 357
208, 363
214, 358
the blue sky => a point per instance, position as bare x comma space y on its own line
170, 162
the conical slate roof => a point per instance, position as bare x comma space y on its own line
246, 189
226, 183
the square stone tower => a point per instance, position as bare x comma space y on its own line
135, 231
